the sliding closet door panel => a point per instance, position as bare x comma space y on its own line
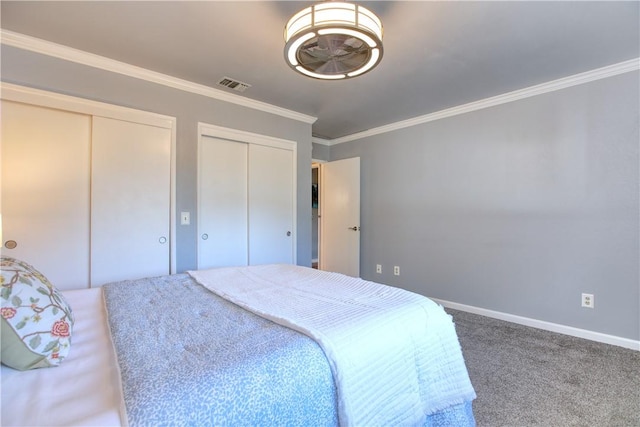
270, 205
130, 201
45, 191
222, 203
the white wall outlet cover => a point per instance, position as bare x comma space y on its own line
588, 300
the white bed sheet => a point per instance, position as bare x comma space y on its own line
84, 390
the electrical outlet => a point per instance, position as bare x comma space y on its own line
396, 270
588, 300
379, 268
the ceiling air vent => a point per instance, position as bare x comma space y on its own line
233, 84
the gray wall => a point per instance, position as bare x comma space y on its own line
43, 72
517, 208
320, 152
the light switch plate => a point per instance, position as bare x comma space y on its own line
185, 218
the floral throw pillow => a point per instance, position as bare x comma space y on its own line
36, 320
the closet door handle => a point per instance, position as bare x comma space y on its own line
288, 233
10, 244
162, 240
205, 236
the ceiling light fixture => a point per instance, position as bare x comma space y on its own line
333, 40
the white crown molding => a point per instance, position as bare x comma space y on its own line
22, 41
44, 47
321, 141
547, 326
563, 83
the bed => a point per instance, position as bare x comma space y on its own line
261, 345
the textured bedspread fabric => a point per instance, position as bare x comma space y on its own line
188, 357
394, 354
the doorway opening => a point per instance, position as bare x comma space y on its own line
315, 216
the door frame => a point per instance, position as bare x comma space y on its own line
42, 98
209, 130
317, 164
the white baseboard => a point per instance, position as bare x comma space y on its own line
547, 326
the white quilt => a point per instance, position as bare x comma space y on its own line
394, 354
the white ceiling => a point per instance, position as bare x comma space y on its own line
437, 55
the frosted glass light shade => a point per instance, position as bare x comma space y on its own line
333, 40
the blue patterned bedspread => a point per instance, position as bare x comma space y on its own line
189, 357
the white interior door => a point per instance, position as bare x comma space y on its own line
270, 205
130, 200
222, 203
45, 191
340, 216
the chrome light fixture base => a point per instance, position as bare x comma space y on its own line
333, 40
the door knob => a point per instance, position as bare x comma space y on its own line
354, 228
288, 233
162, 240
205, 236
10, 244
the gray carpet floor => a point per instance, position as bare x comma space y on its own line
529, 377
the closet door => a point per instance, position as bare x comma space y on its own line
270, 205
45, 191
222, 203
130, 200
